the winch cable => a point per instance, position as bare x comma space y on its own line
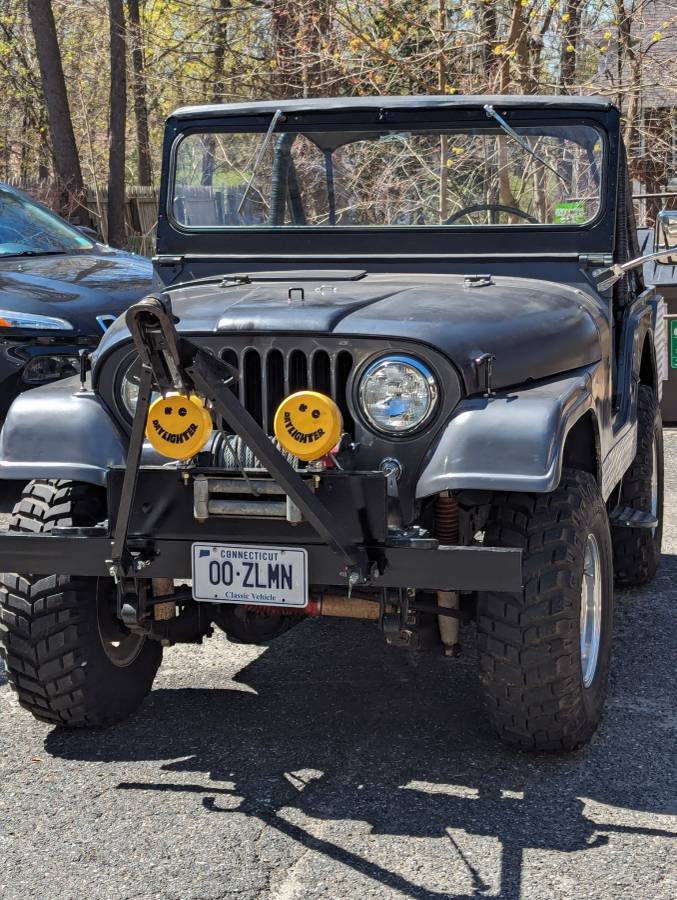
250, 485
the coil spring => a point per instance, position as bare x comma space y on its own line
446, 519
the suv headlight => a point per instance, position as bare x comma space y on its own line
398, 394
129, 387
32, 321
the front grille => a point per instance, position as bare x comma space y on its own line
268, 375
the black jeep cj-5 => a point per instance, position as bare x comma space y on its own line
403, 368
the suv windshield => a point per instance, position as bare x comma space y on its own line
477, 176
27, 229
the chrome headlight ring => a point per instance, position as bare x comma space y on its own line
398, 394
127, 387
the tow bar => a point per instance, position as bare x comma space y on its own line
172, 363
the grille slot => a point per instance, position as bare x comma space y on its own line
321, 372
230, 357
344, 365
274, 386
252, 383
267, 376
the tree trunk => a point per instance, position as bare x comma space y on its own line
219, 35
285, 29
488, 40
516, 28
313, 40
65, 153
139, 91
442, 89
570, 35
118, 117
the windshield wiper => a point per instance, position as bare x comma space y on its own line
259, 155
524, 144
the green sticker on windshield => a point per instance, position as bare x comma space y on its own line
571, 212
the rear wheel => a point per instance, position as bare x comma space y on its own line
69, 658
544, 652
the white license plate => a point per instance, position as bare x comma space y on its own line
243, 573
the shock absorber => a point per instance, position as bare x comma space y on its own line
446, 532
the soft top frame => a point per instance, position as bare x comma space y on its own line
420, 102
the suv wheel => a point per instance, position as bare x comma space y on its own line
70, 660
637, 551
544, 652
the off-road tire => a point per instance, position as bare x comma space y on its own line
50, 625
637, 551
529, 647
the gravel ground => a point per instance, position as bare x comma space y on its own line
330, 765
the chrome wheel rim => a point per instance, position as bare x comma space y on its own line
119, 644
591, 610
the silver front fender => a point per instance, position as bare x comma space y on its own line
512, 441
59, 431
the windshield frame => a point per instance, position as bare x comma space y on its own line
486, 240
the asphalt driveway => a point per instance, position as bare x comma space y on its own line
330, 765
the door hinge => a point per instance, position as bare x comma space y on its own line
168, 260
594, 260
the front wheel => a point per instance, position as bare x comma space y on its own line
69, 658
544, 652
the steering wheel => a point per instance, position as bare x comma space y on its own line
498, 207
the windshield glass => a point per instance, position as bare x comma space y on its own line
546, 175
27, 228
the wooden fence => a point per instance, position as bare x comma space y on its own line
141, 205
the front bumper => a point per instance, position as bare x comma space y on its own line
163, 527
71, 552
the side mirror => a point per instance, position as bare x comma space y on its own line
666, 235
606, 278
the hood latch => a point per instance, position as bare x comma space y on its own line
476, 281
484, 366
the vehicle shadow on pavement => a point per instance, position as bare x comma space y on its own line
337, 726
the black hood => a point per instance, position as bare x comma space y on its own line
75, 286
535, 329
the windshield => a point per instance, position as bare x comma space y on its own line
28, 229
479, 176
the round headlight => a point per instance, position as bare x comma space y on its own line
129, 387
398, 394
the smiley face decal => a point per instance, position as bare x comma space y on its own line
178, 425
308, 424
